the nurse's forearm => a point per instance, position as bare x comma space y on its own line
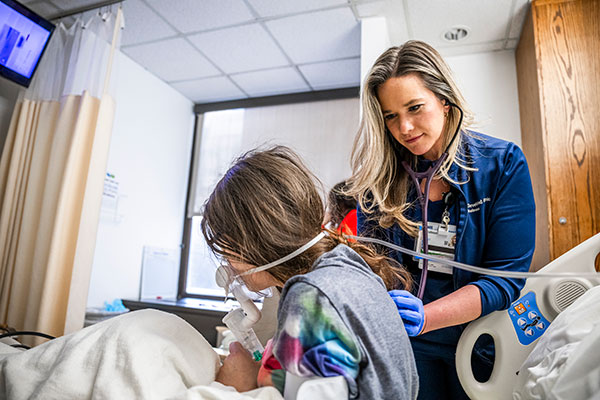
463, 305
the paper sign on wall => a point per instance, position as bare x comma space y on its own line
111, 197
160, 273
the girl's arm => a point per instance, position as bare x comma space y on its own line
311, 340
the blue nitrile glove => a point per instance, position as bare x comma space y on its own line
116, 305
410, 309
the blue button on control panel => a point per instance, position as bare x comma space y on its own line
528, 321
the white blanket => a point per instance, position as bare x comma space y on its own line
565, 364
144, 354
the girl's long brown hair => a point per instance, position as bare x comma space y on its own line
266, 206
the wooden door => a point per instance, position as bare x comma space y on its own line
565, 141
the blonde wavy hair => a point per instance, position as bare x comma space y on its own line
378, 179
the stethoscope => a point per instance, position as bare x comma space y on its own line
423, 195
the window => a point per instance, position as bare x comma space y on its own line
221, 135
224, 135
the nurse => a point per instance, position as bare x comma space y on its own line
480, 209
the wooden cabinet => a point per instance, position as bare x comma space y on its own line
558, 73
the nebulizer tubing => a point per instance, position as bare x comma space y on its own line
240, 320
423, 196
477, 270
293, 254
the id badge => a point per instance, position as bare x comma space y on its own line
442, 241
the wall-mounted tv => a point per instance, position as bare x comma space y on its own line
24, 36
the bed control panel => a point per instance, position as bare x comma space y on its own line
528, 321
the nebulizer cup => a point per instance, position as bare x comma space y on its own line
240, 320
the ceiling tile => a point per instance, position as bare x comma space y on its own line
209, 90
172, 60
269, 8
487, 20
375, 8
43, 8
336, 32
194, 15
142, 24
518, 18
253, 48
73, 4
271, 82
332, 74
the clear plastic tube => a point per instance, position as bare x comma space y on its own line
478, 270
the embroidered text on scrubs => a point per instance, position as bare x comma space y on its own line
473, 207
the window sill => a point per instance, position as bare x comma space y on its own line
186, 304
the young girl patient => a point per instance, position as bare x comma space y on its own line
335, 316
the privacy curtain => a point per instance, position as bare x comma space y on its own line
51, 178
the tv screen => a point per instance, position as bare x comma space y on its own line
24, 36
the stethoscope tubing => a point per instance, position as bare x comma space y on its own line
423, 197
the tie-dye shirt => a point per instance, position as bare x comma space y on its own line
311, 340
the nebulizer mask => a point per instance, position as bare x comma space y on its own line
240, 320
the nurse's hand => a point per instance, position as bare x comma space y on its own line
239, 369
410, 309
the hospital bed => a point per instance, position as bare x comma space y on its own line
112, 359
528, 321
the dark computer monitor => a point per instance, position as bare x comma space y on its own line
24, 36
